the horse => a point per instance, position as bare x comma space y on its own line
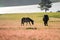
45, 19
27, 20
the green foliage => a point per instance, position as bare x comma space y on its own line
45, 5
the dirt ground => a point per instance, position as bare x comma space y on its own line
42, 34
12, 30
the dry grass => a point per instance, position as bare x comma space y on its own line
11, 29
42, 34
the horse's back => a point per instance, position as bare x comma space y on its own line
46, 18
26, 20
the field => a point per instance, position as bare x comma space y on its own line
11, 29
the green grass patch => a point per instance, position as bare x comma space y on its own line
37, 16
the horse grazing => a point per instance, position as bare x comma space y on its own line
45, 19
27, 20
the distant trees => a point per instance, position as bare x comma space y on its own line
58, 11
45, 5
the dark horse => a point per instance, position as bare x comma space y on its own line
26, 20
45, 19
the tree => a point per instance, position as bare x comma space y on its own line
45, 5
58, 11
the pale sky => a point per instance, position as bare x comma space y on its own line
55, 7
28, 8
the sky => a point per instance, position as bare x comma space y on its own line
28, 8
55, 7
5, 3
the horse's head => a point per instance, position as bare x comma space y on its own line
32, 22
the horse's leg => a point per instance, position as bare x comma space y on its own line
32, 23
47, 23
22, 24
29, 23
44, 23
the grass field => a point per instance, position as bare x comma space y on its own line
37, 17
31, 15
14, 19
11, 29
